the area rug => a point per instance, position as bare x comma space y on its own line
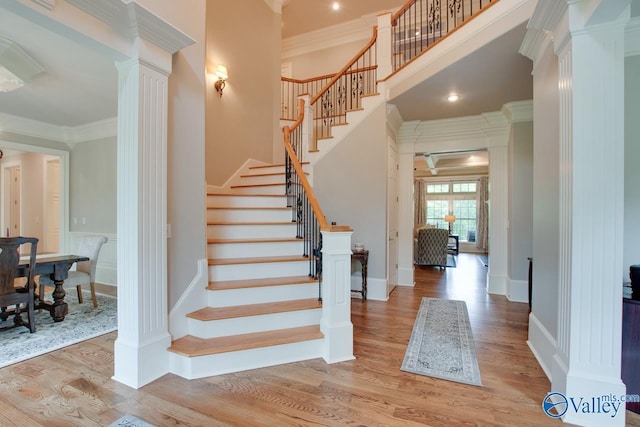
82, 322
441, 344
130, 421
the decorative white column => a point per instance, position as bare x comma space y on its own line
140, 351
591, 85
405, 213
336, 295
498, 211
384, 46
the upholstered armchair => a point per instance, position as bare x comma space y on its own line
431, 247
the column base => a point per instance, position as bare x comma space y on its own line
136, 365
338, 342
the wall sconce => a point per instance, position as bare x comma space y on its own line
450, 219
221, 74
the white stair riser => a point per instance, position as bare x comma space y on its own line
254, 215
263, 179
269, 189
251, 324
258, 271
250, 231
224, 363
244, 201
239, 250
261, 295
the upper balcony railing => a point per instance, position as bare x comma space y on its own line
414, 28
421, 23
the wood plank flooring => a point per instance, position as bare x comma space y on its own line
73, 386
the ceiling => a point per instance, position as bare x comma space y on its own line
79, 85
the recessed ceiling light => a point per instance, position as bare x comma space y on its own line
453, 97
335, 5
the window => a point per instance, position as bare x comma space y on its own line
458, 198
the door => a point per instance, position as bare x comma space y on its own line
52, 204
11, 192
393, 205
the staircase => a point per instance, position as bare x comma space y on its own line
262, 307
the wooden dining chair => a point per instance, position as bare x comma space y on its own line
85, 272
21, 298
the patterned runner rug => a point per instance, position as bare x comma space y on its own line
441, 343
82, 322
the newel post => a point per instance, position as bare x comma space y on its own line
336, 295
307, 123
383, 46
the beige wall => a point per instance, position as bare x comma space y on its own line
324, 61
186, 143
93, 187
244, 35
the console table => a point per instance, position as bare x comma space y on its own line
363, 257
454, 248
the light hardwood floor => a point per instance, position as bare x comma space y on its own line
73, 386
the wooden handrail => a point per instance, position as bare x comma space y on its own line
327, 76
346, 67
400, 11
322, 221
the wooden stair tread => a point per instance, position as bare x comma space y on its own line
266, 174
218, 313
257, 260
258, 283
249, 208
277, 184
245, 195
191, 346
251, 223
256, 240
275, 165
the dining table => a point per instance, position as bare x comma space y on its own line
57, 268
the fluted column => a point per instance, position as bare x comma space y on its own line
591, 86
140, 349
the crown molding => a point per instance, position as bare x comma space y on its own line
632, 37
276, 5
547, 14
325, 38
132, 20
518, 111
70, 135
47, 4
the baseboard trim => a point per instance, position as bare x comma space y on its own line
193, 298
376, 288
542, 344
518, 290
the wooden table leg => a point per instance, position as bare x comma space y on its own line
60, 308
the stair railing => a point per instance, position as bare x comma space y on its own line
305, 209
419, 24
344, 92
291, 89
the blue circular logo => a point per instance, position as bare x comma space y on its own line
557, 402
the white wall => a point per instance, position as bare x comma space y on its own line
93, 186
520, 199
545, 209
631, 252
350, 184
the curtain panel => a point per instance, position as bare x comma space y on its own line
419, 202
482, 214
